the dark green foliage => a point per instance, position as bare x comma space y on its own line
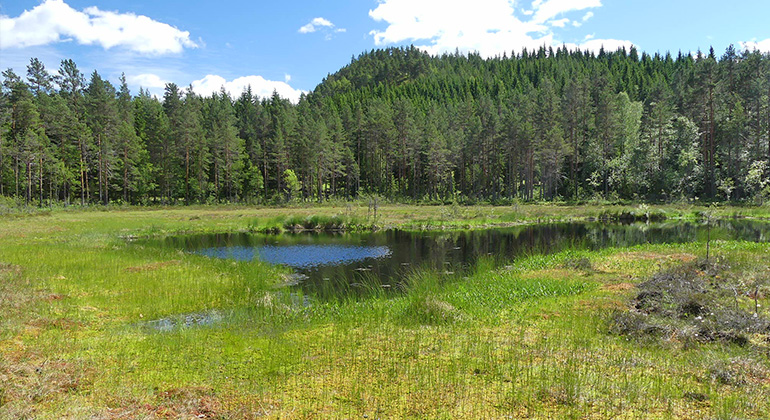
539, 125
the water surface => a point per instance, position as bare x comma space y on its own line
344, 259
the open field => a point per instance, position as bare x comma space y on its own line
539, 337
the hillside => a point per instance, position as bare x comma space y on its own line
546, 124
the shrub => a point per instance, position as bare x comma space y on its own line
695, 301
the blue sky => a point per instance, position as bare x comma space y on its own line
291, 46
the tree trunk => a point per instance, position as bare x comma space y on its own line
99, 176
1, 166
29, 181
82, 166
16, 173
125, 174
711, 141
187, 173
40, 175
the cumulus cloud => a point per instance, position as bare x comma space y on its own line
486, 26
318, 23
147, 80
548, 9
560, 23
259, 86
55, 21
608, 44
763, 46
489, 27
587, 16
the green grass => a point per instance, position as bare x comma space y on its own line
528, 338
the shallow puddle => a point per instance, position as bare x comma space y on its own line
175, 322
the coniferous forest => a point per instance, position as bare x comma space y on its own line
535, 125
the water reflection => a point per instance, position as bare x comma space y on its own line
299, 256
347, 259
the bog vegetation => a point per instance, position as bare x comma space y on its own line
545, 124
96, 324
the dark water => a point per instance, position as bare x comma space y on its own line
334, 260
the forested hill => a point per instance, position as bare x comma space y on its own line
546, 124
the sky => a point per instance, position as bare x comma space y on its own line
290, 46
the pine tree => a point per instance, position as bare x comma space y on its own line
192, 147
128, 144
401, 123
226, 147
40, 81
578, 120
102, 119
549, 139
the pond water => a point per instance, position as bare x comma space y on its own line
334, 260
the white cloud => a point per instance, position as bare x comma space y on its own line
55, 21
609, 45
560, 23
259, 86
147, 80
316, 24
579, 23
763, 46
488, 27
545, 10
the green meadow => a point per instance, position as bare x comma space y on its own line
95, 322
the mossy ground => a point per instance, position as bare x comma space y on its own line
529, 339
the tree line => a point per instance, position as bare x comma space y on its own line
538, 125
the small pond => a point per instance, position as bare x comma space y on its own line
334, 260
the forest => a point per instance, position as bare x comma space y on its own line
550, 124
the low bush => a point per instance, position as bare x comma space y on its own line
697, 301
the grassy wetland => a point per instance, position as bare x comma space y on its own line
99, 323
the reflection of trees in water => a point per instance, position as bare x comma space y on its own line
452, 251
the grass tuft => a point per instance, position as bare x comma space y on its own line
430, 310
